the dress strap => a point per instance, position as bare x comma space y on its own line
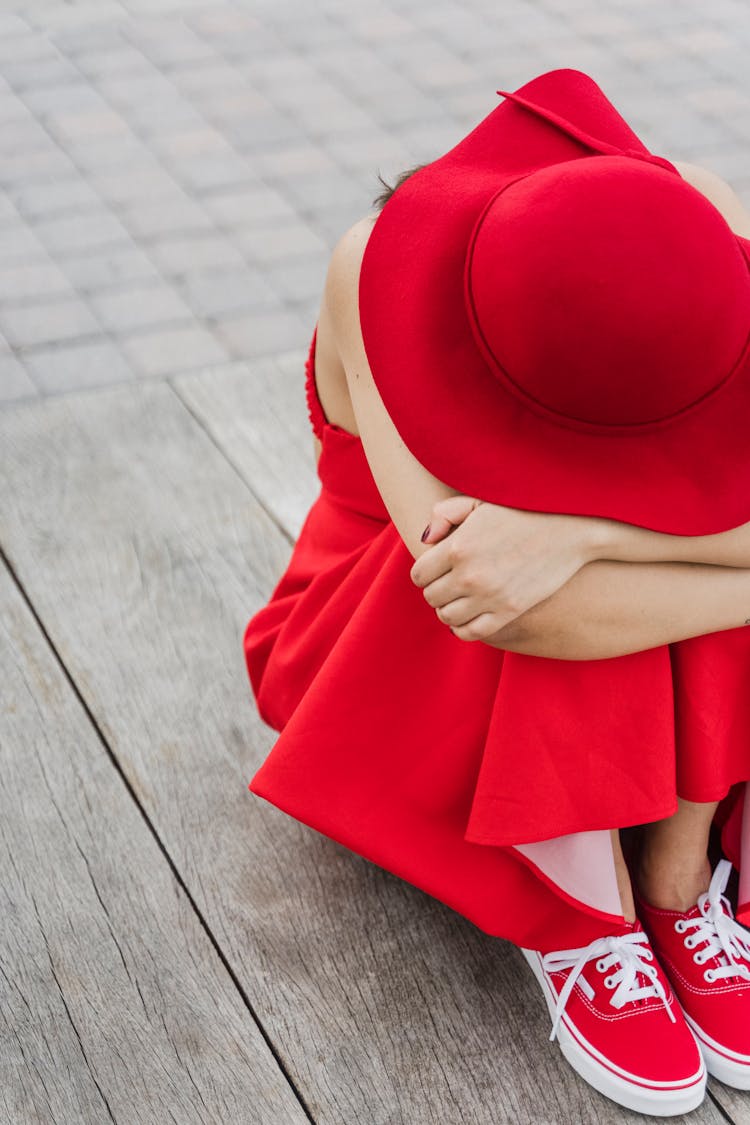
314, 409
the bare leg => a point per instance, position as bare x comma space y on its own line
623, 879
672, 867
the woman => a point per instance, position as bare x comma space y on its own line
587, 502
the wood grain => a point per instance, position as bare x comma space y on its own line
145, 552
115, 1005
260, 419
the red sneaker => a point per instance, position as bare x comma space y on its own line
706, 956
619, 1024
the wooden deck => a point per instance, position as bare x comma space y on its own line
173, 948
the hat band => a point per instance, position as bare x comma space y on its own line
586, 138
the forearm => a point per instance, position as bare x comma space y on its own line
612, 608
626, 543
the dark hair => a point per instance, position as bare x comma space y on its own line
382, 197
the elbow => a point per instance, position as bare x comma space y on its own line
554, 642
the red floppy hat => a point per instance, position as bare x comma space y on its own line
557, 321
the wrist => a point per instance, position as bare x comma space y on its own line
622, 542
602, 538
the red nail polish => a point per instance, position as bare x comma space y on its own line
426, 532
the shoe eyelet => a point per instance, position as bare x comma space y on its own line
689, 941
600, 966
608, 982
708, 976
679, 926
698, 957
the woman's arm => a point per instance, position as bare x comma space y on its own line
407, 488
626, 543
612, 608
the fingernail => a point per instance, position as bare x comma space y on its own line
426, 532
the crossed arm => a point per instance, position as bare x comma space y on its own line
548, 585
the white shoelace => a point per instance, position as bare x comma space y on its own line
724, 937
633, 956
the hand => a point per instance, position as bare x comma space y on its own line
488, 564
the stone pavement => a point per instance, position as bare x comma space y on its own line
173, 173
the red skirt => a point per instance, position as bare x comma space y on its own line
488, 779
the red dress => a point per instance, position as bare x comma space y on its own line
489, 779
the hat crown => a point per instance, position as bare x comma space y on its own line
606, 291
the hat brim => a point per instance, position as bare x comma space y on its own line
691, 477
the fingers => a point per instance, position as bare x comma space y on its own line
431, 565
481, 628
464, 618
447, 514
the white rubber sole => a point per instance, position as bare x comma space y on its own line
729, 1067
666, 1101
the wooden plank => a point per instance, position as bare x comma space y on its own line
735, 1103
145, 554
269, 439
115, 1004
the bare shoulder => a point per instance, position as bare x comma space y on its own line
342, 279
719, 192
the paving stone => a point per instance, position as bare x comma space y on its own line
336, 189
64, 97
26, 46
12, 108
250, 206
81, 231
139, 307
222, 22
45, 322
296, 162
120, 58
23, 74
8, 211
88, 124
280, 243
216, 293
185, 144
104, 153
77, 366
24, 135
35, 200
262, 333
169, 214
377, 149
179, 46
172, 350
54, 16
146, 181
262, 131
179, 255
210, 80
38, 279
151, 90
18, 242
35, 167
205, 174
299, 281
15, 382
91, 273
12, 26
